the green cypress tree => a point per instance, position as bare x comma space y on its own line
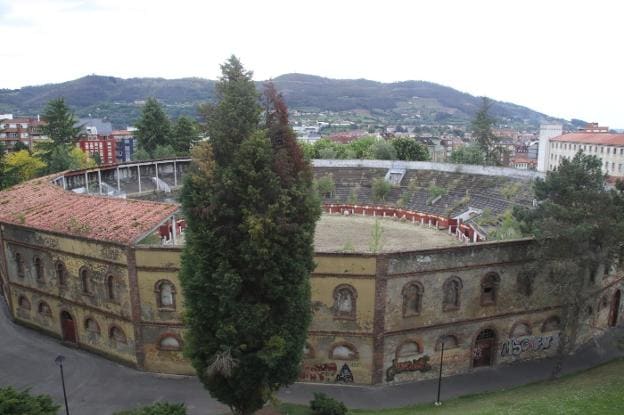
60, 124
185, 133
248, 255
153, 127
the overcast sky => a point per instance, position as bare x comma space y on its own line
563, 58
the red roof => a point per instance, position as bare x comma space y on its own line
592, 138
42, 205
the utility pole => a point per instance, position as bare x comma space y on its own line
437, 402
59, 361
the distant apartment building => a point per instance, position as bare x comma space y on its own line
593, 140
102, 146
125, 144
25, 130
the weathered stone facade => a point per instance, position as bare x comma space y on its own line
378, 318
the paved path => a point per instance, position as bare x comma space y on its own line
97, 386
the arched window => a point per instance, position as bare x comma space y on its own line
344, 301
23, 302
308, 351
408, 348
60, 273
117, 336
451, 293
169, 342
489, 287
343, 351
450, 342
92, 326
412, 298
85, 284
525, 282
110, 287
19, 264
44, 309
165, 294
552, 323
520, 329
38, 264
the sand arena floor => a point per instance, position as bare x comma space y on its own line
337, 233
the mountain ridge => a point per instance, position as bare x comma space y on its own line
405, 102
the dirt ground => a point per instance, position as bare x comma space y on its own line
337, 233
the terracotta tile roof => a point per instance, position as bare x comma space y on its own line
592, 138
42, 205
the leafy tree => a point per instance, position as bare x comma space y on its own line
163, 151
185, 133
141, 154
60, 123
18, 146
23, 166
326, 185
482, 133
159, 408
381, 188
327, 153
382, 150
17, 402
65, 157
409, 149
470, 154
153, 127
97, 158
363, 147
248, 251
578, 229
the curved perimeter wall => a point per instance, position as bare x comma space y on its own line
377, 318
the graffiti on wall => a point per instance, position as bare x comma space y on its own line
420, 365
319, 372
517, 346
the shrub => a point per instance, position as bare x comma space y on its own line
13, 401
160, 408
324, 405
381, 188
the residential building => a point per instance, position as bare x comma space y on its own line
25, 130
596, 141
101, 146
125, 145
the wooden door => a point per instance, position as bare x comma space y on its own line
615, 309
483, 351
68, 327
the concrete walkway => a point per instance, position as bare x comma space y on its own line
97, 386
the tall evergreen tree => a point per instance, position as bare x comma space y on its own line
61, 125
245, 267
482, 133
62, 129
153, 127
579, 230
185, 133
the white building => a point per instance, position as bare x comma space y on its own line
608, 147
547, 131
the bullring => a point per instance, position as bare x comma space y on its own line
91, 258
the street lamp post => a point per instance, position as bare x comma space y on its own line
59, 361
437, 402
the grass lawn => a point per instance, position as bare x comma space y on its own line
596, 391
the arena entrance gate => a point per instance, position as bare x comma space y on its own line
483, 351
68, 327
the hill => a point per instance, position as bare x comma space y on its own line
409, 102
